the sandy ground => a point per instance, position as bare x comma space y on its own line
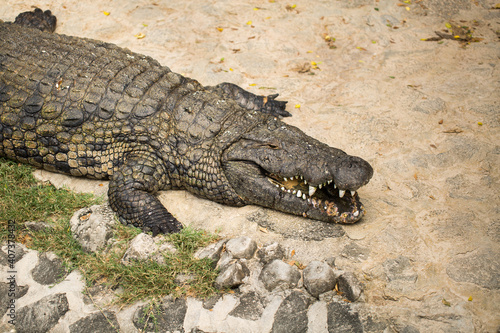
426, 115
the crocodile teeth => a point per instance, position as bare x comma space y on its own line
355, 214
299, 194
353, 193
320, 186
285, 179
341, 193
312, 190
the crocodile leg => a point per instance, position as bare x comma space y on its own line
265, 104
131, 194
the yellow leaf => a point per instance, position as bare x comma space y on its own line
293, 6
220, 29
106, 13
140, 35
424, 39
457, 36
480, 123
256, 8
231, 69
252, 84
309, 51
470, 299
447, 25
314, 63
297, 106
249, 23
407, 8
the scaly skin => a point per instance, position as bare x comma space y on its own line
88, 108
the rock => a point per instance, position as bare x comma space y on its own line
291, 315
168, 317
209, 303
93, 227
5, 299
250, 307
330, 261
271, 252
225, 259
49, 270
212, 252
355, 252
37, 226
104, 321
279, 274
232, 275
241, 248
399, 269
145, 247
349, 286
342, 318
481, 268
42, 315
11, 254
319, 278
183, 279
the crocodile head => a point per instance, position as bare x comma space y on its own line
278, 166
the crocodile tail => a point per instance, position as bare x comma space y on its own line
37, 19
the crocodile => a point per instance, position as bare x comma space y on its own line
88, 108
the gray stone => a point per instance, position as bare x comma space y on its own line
145, 247
209, 303
225, 259
481, 268
399, 268
430, 106
93, 227
302, 230
342, 318
9, 292
242, 247
291, 316
42, 315
355, 252
330, 261
212, 252
104, 321
168, 317
250, 307
11, 254
49, 270
349, 286
232, 275
183, 279
318, 278
37, 226
271, 252
279, 274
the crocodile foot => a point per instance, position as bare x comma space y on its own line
37, 19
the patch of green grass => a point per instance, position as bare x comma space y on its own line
25, 199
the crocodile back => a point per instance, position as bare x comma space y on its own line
65, 100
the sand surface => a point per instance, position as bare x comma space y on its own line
426, 115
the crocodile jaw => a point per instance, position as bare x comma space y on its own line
294, 173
